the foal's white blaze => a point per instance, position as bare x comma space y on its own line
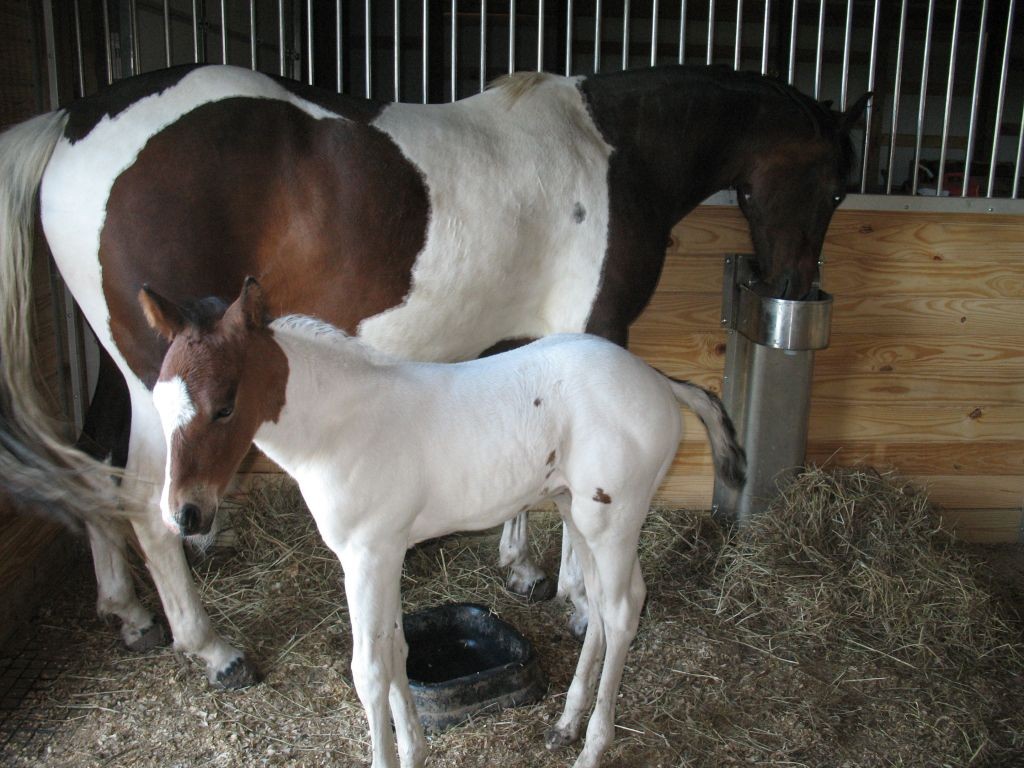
176, 410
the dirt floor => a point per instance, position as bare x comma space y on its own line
700, 687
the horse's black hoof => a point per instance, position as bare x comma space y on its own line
542, 591
556, 738
156, 635
239, 674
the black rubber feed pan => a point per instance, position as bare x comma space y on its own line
463, 660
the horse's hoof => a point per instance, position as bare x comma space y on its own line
542, 591
556, 738
578, 626
156, 635
238, 674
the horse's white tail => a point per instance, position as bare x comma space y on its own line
729, 459
37, 469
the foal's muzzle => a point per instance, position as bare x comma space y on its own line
190, 520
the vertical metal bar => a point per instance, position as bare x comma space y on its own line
167, 29
133, 25
950, 76
78, 51
979, 63
793, 29
682, 31
820, 45
424, 63
597, 36
512, 35
1001, 101
195, 30
397, 50
711, 32
766, 36
368, 48
309, 41
625, 34
540, 35
654, 32
223, 32
280, 38
568, 36
454, 49
869, 113
253, 52
900, 45
106, 43
922, 99
737, 56
483, 44
847, 41
1016, 163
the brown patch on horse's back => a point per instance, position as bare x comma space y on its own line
327, 213
602, 497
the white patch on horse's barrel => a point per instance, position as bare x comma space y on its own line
502, 258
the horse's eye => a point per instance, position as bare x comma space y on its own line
224, 413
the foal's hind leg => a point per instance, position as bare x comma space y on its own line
571, 585
525, 576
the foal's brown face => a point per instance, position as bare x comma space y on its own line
222, 377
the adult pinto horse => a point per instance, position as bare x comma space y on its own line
433, 232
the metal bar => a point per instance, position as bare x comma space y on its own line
711, 32
167, 30
540, 35
1001, 101
682, 31
368, 48
1016, 163
309, 41
793, 21
106, 43
280, 38
847, 41
568, 36
950, 76
922, 99
78, 51
820, 45
454, 49
397, 50
597, 36
900, 45
737, 56
195, 30
223, 32
625, 34
511, 36
483, 44
869, 113
979, 63
253, 50
133, 28
766, 36
654, 32
424, 63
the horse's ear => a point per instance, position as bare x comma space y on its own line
163, 315
252, 303
853, 115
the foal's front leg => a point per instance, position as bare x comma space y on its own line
372, 583
525, 576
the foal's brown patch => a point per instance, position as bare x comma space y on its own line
602, 497
551, 459
537, 402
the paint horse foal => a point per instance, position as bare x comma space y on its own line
389, 453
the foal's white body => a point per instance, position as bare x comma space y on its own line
389, 453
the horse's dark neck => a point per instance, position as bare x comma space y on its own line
681, 133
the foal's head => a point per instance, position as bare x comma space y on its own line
223, 376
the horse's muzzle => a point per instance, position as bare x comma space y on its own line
190, 520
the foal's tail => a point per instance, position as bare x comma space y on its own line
729, 458
37, 469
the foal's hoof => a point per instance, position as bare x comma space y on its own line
578, 626
538, 591
556, 738
238, 674
155, 635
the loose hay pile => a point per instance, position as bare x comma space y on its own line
842, 629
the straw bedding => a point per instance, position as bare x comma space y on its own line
843, 628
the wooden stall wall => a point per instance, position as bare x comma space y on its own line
925, 372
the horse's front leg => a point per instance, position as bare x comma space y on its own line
525, 577
372, 583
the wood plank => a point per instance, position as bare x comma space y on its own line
972, 491
913, 456
984, 526
898, 423
908, 387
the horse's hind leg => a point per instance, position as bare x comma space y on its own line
571, 584
525, 576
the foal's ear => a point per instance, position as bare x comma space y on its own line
252, 303
853, 115
163, 315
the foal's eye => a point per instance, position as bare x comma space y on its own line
224, 413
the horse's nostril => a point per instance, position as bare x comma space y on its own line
188, 519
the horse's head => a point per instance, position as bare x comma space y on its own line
796, 178
222, 377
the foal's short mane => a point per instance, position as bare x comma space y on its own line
318, 332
